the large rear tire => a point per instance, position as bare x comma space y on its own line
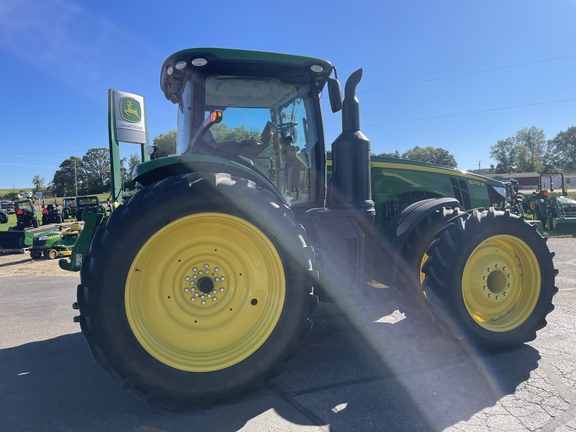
197, 290
490, 279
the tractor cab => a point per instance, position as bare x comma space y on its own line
259, 113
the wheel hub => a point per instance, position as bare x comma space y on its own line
204, 284
498, 283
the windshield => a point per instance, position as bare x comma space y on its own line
265, 122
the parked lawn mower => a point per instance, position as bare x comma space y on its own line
55, 243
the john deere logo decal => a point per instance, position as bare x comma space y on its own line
130, 110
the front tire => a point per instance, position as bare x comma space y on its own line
490, 279
51, 254
197, 290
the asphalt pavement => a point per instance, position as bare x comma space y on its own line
360, 369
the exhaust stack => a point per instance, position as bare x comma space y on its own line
351, 181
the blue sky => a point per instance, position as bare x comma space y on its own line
456, 74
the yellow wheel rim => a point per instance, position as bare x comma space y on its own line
501, 283
205, 292
422, 262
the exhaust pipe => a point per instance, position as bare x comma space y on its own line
351, 180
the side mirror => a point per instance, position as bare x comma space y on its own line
335, 94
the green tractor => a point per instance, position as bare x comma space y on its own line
201, 286
85, 202
556, 210
56, 243
69, 208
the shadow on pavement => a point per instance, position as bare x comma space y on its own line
372, 372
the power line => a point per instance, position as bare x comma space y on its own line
471, 112
469, 73
68, 131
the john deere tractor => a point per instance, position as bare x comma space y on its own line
68, 208
556, 210
200, 287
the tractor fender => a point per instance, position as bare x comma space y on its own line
404, 223
153, 171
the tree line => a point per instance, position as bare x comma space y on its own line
90, 174
530, 151
527, 151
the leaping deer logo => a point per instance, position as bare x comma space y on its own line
127, 112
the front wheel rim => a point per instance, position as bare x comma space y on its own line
501, 283
205, 292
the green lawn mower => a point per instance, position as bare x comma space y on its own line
55, 243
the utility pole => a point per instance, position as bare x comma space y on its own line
75, 178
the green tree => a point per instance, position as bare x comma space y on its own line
433, 155
127, 171
504, 153
221, 132
533, 141
96, 168
564, 146
396, 154
165, 144
38, 183
550, 160
70, 171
